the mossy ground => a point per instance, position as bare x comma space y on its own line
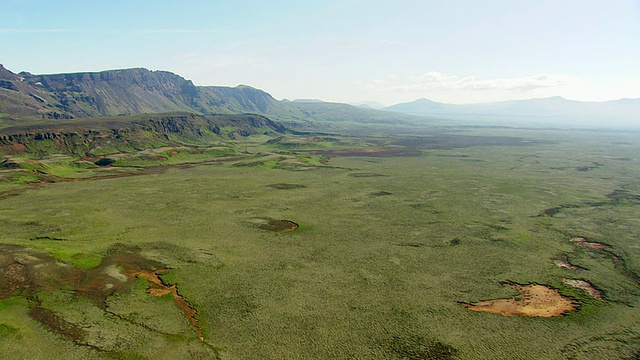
364, 276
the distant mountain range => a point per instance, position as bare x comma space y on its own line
141, 91
545, 111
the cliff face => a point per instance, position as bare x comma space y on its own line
6, 74
99, 136
120, 92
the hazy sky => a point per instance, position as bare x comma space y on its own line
456, 51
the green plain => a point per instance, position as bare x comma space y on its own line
378, 266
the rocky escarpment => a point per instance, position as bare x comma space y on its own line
120, 134
121, 92
131, 91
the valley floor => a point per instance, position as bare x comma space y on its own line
390, 239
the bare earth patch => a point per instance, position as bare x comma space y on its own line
270, 224
24, 272
534, 301
279, 225
564, 264
158, 288
582, 242
584, 285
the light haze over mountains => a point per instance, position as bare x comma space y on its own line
543, 111
137, 91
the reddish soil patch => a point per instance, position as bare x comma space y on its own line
99, 283
584, 285
582, 242
158, 288
19, 148
534, 301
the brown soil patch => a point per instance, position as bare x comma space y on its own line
582, 242
19, 148
56, 323
534, 301
115, 269
584, 285
564, 264
158, 288
278, 225
24, 272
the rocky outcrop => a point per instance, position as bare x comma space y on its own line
86, 137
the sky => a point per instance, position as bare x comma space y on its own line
454, 51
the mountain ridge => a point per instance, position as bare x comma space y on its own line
26, 96
552, 110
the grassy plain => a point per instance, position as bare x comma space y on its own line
387, 249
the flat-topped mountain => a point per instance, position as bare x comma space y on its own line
142, 91
121, 92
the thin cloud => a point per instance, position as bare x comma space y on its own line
185, 31
31, 31
118, 32
437, 81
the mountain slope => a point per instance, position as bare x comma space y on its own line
137, 91
122, 92
553, 110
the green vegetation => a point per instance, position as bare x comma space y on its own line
395, 231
